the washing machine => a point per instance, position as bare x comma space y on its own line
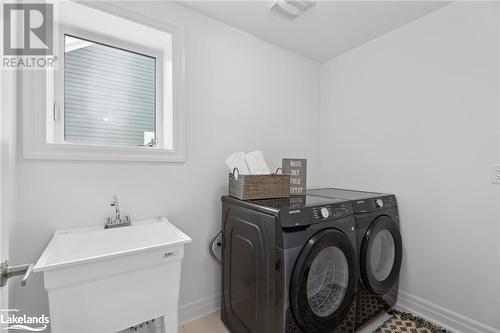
379, 248
288, 265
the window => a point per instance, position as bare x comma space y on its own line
109, 92
117, 93
109, 95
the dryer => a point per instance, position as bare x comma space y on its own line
289, 265
379, 248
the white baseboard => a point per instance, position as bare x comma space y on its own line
199, 308
441, 316
406, 302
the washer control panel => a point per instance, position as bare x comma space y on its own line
331, 211
325, 212
298, 214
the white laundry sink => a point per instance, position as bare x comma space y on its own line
106, 280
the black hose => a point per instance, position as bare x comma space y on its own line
212, 245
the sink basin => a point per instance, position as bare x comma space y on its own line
106, 280
78, 246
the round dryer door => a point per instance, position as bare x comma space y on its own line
381, 253
323, 281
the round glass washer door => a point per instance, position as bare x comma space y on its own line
327, 281
323, 282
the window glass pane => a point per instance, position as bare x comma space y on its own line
109, 95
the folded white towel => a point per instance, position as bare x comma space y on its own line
257, 163
237, 160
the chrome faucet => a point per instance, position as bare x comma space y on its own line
117, 221
114, 203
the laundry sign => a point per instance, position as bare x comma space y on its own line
297, 169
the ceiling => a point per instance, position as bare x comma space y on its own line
328, 29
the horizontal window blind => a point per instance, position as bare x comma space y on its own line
109, 95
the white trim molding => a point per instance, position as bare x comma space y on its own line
441, 316
36, 86
199, 308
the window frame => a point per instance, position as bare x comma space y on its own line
41, 87
59, 102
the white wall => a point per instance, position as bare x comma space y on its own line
242, 94
416, 113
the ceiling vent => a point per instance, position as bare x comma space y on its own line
290, 9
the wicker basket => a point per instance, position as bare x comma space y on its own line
250, 187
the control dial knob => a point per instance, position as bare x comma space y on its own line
379, 203
324, 212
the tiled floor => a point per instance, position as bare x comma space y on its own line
212, 324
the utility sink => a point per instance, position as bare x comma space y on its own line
106, 280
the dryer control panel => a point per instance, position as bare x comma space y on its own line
372, 204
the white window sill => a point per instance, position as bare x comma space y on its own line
101, 153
